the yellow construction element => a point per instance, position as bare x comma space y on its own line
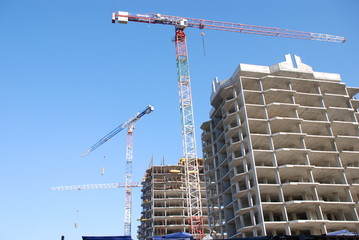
143, 219
182, 160
175, 171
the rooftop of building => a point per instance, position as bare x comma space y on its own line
292, 67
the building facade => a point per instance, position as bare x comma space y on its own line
164, 206
281, 152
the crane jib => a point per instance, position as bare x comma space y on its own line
156, 18
137, 116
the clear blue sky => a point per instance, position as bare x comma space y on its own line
68, 77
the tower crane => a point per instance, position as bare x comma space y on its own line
94, 186
130, 124
185, 94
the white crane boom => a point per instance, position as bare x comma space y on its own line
93, 186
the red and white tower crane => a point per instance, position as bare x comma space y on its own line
130, 124
185, 94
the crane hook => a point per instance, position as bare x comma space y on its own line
203, 46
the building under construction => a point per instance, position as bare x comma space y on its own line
281, 152
164, 206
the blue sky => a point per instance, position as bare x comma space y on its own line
68, 77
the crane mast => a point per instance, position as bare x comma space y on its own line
193, 188
185, 94
128, 188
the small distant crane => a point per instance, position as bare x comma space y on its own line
93, 186
185, 93
130, 124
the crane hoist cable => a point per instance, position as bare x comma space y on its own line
103, 166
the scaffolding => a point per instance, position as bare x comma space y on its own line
164, 205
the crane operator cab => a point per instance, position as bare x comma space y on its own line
150, 109
182, 24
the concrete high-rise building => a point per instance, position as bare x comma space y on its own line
281, 152
164, 206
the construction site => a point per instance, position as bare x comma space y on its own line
280, 150
164, 208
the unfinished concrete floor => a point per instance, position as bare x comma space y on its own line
281, 152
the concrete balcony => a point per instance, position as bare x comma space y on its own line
239, 177
294, 173
269, 82
311, 127
281, 124
206, 135
352, 91
260, 141
341, 114
294, 156
312, 113
349, 158
323, 158
310, 226
229, 118
242, 193
207, 146
263, 157
255, 111
319, 143
228, 105
266, 175
332, 87
352, 175
355, 104
309, 99
300, 207
250, 84
253, 97
329, 175
286, 110
347, 143
278, 96
288, 140
257, 126
336, 100
345, 128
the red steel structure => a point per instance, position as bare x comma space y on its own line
184, 85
